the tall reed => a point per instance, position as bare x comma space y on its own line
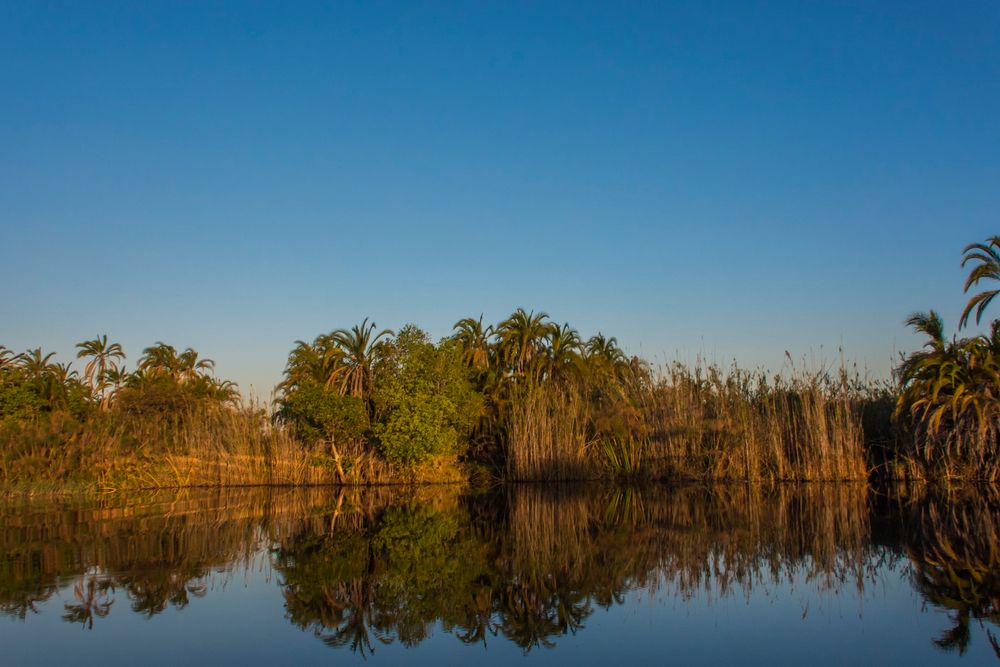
547, 435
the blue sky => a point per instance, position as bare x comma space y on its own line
727, 179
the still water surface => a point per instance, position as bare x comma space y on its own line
809, 574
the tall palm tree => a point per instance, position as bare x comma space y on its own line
102, 357
986, 260
521, 337
475, 342
361, 349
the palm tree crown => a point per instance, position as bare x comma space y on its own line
102, 357
986, 260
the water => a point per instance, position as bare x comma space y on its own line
817, 575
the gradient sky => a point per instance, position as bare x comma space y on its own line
727, 179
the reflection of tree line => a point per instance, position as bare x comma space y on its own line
159, 550
376, 566
532, 564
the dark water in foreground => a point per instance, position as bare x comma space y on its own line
578, 575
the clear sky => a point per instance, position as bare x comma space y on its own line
731, 179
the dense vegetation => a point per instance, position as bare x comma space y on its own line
524, 399
949, 398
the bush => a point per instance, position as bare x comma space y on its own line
322, 414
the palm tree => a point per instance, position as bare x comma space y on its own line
951, 392
475, 342
190, 367
521, 337
8, 360
36, 364
606, 349
114, 379
361, 348
163, 360
564, 346
102, 357
932, 326
986, 257
159, 360
225, 391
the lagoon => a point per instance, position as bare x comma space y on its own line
820, 574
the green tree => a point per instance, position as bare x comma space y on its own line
425, 402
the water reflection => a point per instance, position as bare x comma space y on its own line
954, 545
525, 565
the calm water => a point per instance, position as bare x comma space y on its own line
797, 575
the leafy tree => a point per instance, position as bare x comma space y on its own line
425, 403
320, 413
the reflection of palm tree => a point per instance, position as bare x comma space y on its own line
93, 601
994, 643
957, 638
956, 563
352, 607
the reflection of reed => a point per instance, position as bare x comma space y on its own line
722, 536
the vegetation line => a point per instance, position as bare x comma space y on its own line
525, 399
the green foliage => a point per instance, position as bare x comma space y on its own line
950, 397
424, 400
18, 400
320, 413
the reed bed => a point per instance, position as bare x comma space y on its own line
548, 437
701, 423
202, 446
709, 424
